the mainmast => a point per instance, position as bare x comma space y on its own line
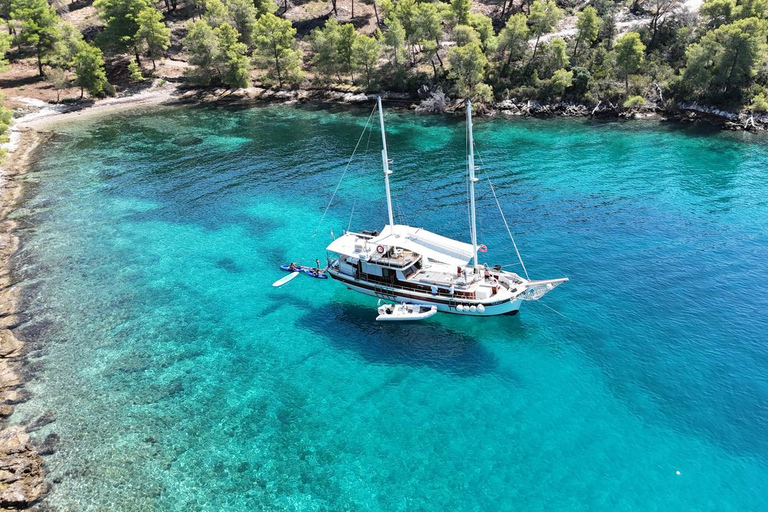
385, 163
472, 180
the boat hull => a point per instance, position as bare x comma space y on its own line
490, 308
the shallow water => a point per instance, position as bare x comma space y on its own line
181, 380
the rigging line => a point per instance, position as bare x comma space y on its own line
351, 214
509, 231
367, 122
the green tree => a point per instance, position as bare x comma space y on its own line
59, 80
242, 15
428, 24
265, 7
587, 28
39, 26
460, 10
324, 42
629, 50
89, 70
365, 55
216, 13
152, 35
120, 16
332, 47
467, 67
556, 56
276, 49
464, 34
202, 44
719, 12
545, 15
752, 9
346, 42
727, 59
5, 45
513, 40
134, 71
483, 25
5, 14
560, 81
69, 43
394, 40
231, 58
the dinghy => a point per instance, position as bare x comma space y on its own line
405, 312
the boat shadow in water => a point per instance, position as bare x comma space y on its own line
353, 328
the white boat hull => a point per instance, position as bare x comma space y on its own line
508, 307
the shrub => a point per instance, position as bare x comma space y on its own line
634, 102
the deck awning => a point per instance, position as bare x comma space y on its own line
420, 241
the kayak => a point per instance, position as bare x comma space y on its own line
285, 279
310, 271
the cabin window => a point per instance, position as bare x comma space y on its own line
408, 272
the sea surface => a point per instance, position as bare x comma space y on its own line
181, 380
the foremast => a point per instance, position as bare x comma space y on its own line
472, 180
385, 162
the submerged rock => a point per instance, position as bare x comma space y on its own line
188, 140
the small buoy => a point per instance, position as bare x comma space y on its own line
460, 308
472, 308
677, 472
480, 308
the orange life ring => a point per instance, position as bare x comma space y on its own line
482, 248
380, 249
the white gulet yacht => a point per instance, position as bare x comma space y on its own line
411, 265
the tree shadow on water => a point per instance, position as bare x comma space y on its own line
351, 327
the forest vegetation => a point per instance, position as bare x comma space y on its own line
500, 49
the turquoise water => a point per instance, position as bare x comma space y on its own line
181, 380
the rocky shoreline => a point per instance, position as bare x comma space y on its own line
432, 103
21, 467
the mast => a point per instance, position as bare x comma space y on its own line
385, 162
472, 180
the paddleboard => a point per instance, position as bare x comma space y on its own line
283, 280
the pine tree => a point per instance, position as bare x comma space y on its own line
513, 40
89, 70
242, 15
365, 55
121, 18
544, 16
39, 26
467, 67
152, 35
203, 46
5, 45
231, 57
629, 50
587, 28
276, 49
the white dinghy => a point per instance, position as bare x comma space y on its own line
405, 312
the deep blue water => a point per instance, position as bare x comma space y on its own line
181, 380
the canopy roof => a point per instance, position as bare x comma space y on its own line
417, 240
